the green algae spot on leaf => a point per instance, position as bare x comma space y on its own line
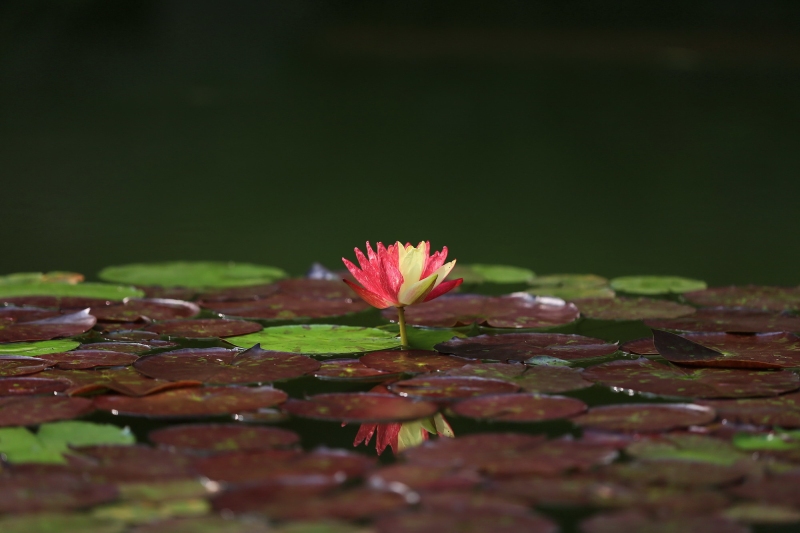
656, 284
197, 274
106, 291
318, 339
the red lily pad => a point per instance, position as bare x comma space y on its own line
542, 379
204, 524
135, 348
639, 522
360, 407
456, 501
678, 472
14, 386
730, 320
57, 302
195, 401
519, 407
125, 381
646, 417
288, 307
778, 489
519, 310
223, 437
765, 350
131, 336
643, 346
523, 346
30, 411
254, 497
133, 464
233, 294
205, 327
631, 308
782, 411
51, 492
48, 328
350, 370
354, 504
750, 296
20, 365
504, 371
469, 520
644, 375
223, 366
138, 309
170, 293
424, 477
26, 314
83, 359
450, 388
415, 361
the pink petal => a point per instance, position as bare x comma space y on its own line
391, 278
375, 300
362, 277
436, 260
364, 434
388, 435
443, 287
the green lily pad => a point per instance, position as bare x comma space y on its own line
773, 440
196, 274
656, 284
571, 286
146, 512
59, 523
318, 339
750, 296
32, 349
421, 338
48, 445
41, 277
762, 513
105, 291
480, 273
573, 293
687, 447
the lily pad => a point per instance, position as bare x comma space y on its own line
414, 361
134, 309
300, 287
131, 336
20, 365
84, 359
191, 402
288, 307
350, 370
450, 388
35, 349
360, 407
58, 523
53, 492
469, 520
519, 407
55, 276
104, 291
751, 296
480, 273
761, 513
573, 293
222, 366
134, 348
318, 339
643, 346
687, 447
645, 417
678, 473
57, 302
195, 274
631, 308
30, 411
541, 379
782, 411
205, 327
19, 445
125, 381
203, 524
778, 489
48, 328
639, 522
223, 437
26, 385
722, 319
26, 314
420, 338
519, 310
143, 512
424, 477
523, 346
643, 375
571, 286
656, 284
765, 350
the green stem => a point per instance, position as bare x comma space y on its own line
401, 312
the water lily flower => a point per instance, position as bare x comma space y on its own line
401, 275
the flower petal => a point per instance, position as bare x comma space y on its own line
443, 288
387, 436
443, 271
435, 262
364, 434
375, 300
417, 292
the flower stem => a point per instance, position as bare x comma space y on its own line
401, 312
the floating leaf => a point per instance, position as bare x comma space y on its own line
480, 273
35, 349
679, 472
450, 387
19, 445
571, 286
133, 310
780, 489
131, 336
360, 407
26, 314
647, 376
53, 492
62, 303
318, 339
288, 307
645, 417
751, 296
196, 274
519, 407
222, 366
656, 284
103, 291
199, 401
631, 308
639, 522
122, 347
762, 513
17, 386
58, 523
145, 512
30, 411
783, 440
573, 293
420, 338
40, 277
133, 464
541, 379
19, 365
84, 359
522, 346
223, 437
519, 310
48, 328
686, 447
414, 361
350, 370
205, 327
721, 319
125, 381
643, 346
783, 411
469, 520
204, 524
301, 287
424, 477
766, 350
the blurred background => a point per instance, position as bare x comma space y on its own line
614, 137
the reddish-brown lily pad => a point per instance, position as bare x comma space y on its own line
542, 379
125, 381
48, 328
135, 348
765, 350
57, 302
468, 520
415, 361
83, 359
519, 407
350, 370
523, 346
644, 375
631, 308
750, 296
288, 307
20, 365
131, 336
205, 327
138, 309
424, 477
360, 407
723, 319
204, 524
51, 492
26, 385
27, 314
133, 464
639, 522
778, 489
678, 472
300, 287
223, 437
643, 346
782, 411
450, 387
223, 366
30, 411
354, 504
645, 417
195, 401
520, 310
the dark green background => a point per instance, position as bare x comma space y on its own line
612, 137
